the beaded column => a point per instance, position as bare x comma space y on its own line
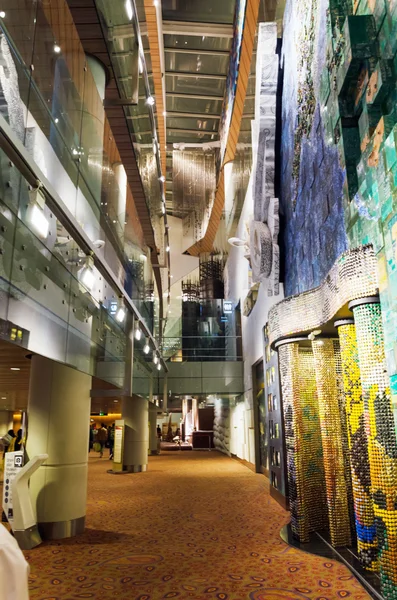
331, 435
367, 544
380, 428
303, 441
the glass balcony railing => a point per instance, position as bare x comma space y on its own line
202, 348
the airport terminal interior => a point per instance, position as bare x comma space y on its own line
198, 299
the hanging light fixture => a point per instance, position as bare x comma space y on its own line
159, 366
155, 359
121, 313
146, 347
138, 332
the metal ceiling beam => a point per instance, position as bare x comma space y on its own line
192, 96
182, 130
196, 75
183, 115
203, 52
212, 30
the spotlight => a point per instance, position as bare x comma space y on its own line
155, 359
167, 249
163, 209
159, 367
162, 178
129, 10
121, 314
146, 347
150, 100
57, 49
2, 14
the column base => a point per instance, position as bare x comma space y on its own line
154, 452
59, 530
28, 538
136, 468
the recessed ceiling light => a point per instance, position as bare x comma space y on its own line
4, 398
15, 369
2, 14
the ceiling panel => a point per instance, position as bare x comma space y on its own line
197, 42
204, 11
212, 64
194, 105
207, 86
210, 125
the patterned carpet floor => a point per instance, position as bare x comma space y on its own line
196, 526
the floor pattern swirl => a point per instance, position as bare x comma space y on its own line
196, 526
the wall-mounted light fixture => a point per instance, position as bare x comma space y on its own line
35, 212
87, 274
146, 348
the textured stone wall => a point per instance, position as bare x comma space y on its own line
312, 177
222, 426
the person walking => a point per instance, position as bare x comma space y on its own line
111, 441
18, 441
102, 437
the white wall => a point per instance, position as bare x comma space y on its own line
5, 421
237, 278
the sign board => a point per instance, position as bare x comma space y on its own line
13, 462
118, 445
227, 306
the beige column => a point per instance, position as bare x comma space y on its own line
135, 412
58, 423
153, 449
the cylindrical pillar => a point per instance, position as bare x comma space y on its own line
58, 425
382, 443
306, 483
135, 411
367, 544
153, 439
324, 353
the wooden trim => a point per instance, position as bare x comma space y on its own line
89, 38
247, 49
279, 498
153, 37
245, 463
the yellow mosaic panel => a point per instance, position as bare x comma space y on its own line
303, 441
331, 435
382, 443
367, 544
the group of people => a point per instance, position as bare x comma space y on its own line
102, 437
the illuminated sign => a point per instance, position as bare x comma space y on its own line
227, 306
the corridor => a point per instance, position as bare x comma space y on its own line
196, 526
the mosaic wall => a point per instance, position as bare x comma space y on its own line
339, 143
381, 439
326, 355
353, 276
306, 482
367, 544
312, 177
